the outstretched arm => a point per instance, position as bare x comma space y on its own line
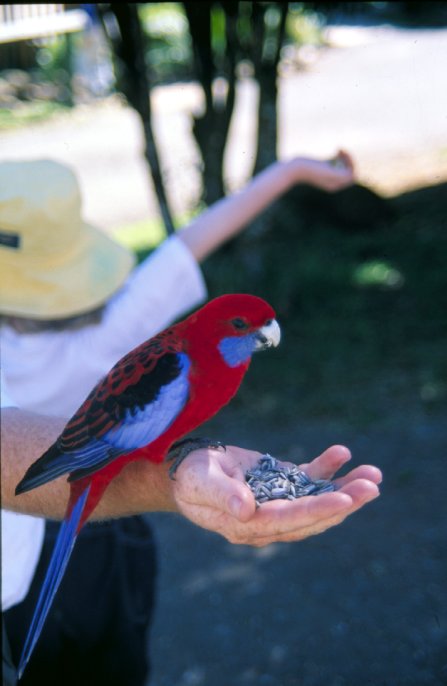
229, 216
209, 489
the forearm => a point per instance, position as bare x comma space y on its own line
209, 489
25, 436
228, 216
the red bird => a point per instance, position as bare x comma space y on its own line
151, 398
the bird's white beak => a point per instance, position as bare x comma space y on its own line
268, 335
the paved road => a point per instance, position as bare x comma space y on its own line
383, 95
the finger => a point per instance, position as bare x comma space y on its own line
293, 520
241, 461
361, 491
283, 516
328, 463
364, 471
346, 159
300, 533
230, 495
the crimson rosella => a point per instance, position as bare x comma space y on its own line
151, 398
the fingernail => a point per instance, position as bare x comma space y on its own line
234, 506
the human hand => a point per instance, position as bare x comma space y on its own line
330, 175
210, 490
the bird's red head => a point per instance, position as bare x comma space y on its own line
237, 324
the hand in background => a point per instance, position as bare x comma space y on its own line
329, 175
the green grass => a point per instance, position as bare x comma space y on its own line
303, 27
141, 237
29, 113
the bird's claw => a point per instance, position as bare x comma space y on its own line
181, 449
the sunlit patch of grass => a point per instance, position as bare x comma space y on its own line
144, 236
304, 27
141, 236
378, 273
29, 113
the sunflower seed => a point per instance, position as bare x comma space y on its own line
270, 481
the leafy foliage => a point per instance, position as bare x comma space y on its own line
168, 50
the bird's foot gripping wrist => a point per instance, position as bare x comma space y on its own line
181, 449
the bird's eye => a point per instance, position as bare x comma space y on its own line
239, 324
268, 322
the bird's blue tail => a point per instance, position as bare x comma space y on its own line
58, 563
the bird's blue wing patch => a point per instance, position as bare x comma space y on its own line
141, 426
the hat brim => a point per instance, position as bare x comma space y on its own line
74, 283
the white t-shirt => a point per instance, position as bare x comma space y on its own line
22, 538
52, 372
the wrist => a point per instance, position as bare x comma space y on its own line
162, 489
295, 171
141, 487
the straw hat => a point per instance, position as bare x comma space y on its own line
52, 264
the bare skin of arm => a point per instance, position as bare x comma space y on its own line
25, 437
209, 488
227, 217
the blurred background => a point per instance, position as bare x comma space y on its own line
163, 108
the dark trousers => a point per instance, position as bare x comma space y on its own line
9, 673
96, 633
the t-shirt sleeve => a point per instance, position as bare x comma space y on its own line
163, 288
5, 398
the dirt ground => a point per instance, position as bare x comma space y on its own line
365, 603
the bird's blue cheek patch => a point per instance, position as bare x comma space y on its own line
237, 349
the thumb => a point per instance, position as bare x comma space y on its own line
233, 497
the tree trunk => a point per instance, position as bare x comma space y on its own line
133, 79
211, 128
266, 72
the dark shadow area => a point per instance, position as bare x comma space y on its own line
352, 209
410, 15
359, 208
433, 198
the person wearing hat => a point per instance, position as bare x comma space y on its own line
72, 303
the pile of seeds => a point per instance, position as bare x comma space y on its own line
270, 481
